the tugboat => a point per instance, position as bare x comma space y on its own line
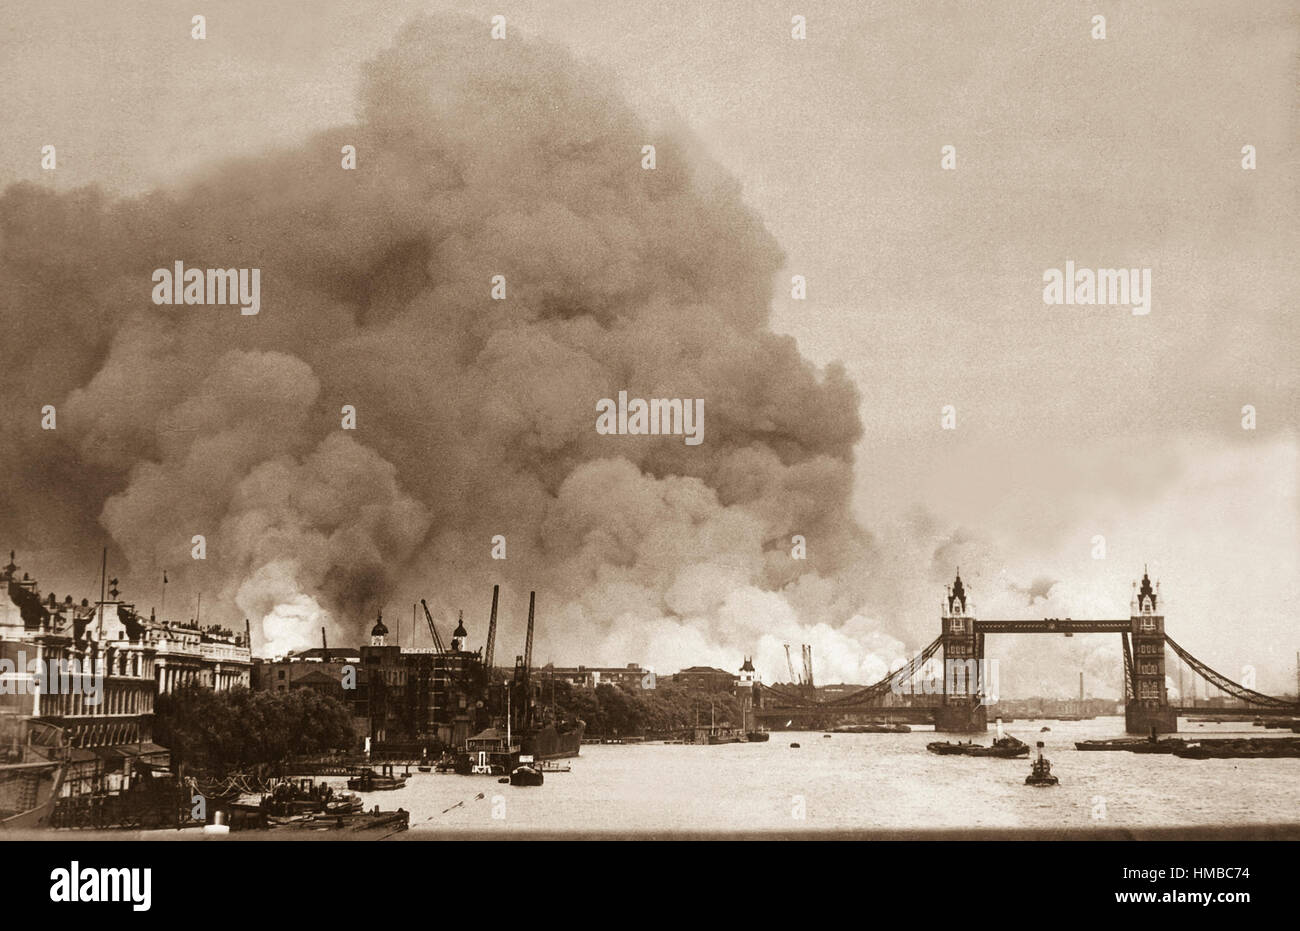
1040, 772
1004, 747
526, 773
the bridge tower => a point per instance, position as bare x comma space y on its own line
1149, 707
960, 707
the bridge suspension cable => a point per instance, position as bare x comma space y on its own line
887, 684
1224, 684
782, 692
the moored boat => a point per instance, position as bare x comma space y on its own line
370, 781
1114, 743
553, 741
33, 757
873, 728
1246, 748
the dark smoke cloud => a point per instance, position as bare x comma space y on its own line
476, 417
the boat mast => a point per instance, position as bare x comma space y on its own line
507, 720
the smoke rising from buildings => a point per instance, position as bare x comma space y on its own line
474, 416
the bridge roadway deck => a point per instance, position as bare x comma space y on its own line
1054, 625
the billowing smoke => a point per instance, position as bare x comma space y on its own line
475, 417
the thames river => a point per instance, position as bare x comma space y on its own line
863, 782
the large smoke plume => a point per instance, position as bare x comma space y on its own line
475, 417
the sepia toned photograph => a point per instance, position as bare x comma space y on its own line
581, 421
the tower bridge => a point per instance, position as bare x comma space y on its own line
959, 700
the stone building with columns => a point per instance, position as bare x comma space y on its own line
95, 670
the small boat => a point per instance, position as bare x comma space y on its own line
757, 737
344, 803
1040, 772
947, 747
370, 781
33, 757
424, 768
826, 735
794, 746
719, 738
526, 775
1044, 730
874, 728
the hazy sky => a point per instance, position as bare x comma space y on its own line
1072, 421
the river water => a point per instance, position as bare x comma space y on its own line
862, 782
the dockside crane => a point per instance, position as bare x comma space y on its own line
807, 666
492, 631
433, 631
523, 665
794, 680
528, 643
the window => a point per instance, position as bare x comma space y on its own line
956, 626
1148, 623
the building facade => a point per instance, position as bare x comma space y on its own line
95, 671
588, 677
705, 679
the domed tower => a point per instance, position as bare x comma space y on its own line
379, 632
1148, 709
959, 706
459, 635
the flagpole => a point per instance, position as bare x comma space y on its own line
162, 612
103, 577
